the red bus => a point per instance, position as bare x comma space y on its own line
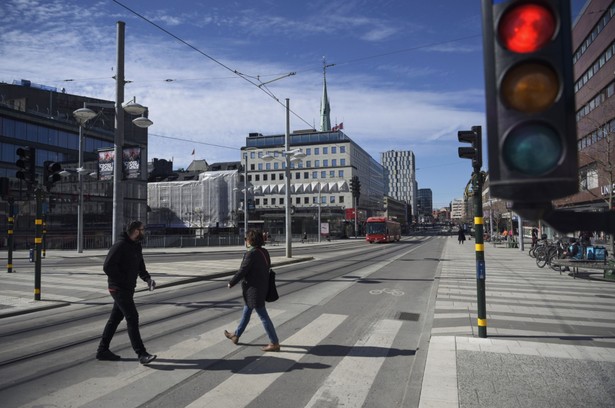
379, 229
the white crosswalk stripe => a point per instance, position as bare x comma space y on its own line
252, 385
350, 382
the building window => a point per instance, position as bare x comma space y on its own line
342, 162
272, 201
260, 166
333, 162
332, 199
333, 149
273, 177
340, 173
341, 199
298, 200
306, 175
265, 201
323, 174
316, 163
257, 201
331, 173
325, 150
316, 151
308, 163
297, 176
268, 166
264, 177
342, 149
308, 151
306, 200
325, 163
281, 201
588, 177
314, 174
257, 177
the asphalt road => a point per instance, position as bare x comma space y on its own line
353, 324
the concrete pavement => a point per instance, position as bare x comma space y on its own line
550, 338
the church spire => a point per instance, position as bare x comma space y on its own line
325, 109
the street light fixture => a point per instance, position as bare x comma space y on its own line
83, 115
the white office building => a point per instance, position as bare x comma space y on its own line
400, 176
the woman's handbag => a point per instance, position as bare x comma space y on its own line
272, 292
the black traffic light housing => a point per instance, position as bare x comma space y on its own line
355, 186
531, 128
475, 153
26, 164
51, 173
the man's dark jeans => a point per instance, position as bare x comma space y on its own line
123, 307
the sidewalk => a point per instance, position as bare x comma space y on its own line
550, 338
13, 304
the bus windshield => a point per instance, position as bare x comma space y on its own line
376, 228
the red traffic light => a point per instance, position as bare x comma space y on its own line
526, 28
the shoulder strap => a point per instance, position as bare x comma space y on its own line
263, 254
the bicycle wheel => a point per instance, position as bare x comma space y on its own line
553, 254
541, 259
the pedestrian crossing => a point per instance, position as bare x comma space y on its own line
348, 384
521, 299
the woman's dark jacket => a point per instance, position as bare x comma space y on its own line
124, 263
254, 274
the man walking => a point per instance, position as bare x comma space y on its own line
123, 264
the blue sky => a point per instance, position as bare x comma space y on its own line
407, 74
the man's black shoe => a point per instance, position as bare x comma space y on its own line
146, 358
107, 355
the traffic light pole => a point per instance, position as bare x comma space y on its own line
11, 221
477, 179
38, 240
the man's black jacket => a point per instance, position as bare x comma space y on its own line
124, 263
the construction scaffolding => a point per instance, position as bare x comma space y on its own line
210, 201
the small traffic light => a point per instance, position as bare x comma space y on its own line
26, 164
51, 173
531, 128
5, 188
355, 186
475, 153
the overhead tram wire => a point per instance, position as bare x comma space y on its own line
239, 74
192, 141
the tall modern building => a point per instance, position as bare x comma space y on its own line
41, 117
593, 38
425, 204
400, 177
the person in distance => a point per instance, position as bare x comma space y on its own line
254, 276
123, 264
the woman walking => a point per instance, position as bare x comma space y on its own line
254, 276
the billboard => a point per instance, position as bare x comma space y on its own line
131, 163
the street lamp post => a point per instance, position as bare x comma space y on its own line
289, 253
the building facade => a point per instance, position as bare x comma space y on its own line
400, 176
425, 204
320, 182
42, 118
593, 49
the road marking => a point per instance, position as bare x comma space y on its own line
351, 380
394, 292
93, 388
242, 388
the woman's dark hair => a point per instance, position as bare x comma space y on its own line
255, 238
133, 225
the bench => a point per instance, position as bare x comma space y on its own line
575, 264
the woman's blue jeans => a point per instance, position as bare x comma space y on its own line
267, 323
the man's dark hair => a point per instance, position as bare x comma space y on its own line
132, 226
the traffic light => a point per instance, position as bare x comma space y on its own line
5, 188
26, 164
475, 152
355, 186
531, 128
51, 173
